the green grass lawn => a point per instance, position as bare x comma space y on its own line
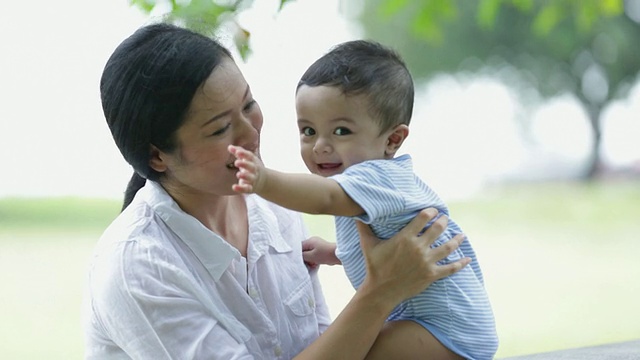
45, 245
560, 262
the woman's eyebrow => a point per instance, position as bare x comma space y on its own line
225, 113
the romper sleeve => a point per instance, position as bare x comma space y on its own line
370, 185
151, 308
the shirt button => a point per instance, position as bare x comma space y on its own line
311, 303
253, 293
277, 351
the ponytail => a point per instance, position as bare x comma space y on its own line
136, 183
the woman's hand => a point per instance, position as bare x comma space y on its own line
317, 251
405, 265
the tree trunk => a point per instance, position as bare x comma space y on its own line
594, 164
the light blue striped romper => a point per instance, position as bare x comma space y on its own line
456, 309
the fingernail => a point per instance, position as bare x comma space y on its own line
432, 212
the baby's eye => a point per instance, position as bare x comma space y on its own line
307, 131
342, 131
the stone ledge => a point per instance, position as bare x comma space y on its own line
629, 350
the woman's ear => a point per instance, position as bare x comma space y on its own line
395, 139
157, 160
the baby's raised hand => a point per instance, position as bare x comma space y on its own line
249, 167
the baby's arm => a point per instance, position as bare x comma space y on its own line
308, 193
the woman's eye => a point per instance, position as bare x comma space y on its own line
221, 130
250, 105
342, 131
307, 131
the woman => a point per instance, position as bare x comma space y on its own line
190, 269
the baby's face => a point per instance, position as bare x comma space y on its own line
336, 131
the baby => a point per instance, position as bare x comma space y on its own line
354, 105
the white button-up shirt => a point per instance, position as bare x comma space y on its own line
162, 286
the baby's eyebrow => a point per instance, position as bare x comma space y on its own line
343, 119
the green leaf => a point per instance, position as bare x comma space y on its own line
203, 16
391, 7
611, 7
425, 26
283, 3
144, 5
487, 12
241, 41
547, 19
428, 23
448, 10
585, 18
523, 5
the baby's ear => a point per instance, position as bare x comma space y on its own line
395, 139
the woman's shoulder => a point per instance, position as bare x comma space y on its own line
137, 239
133, 225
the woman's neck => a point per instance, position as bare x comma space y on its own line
224, 215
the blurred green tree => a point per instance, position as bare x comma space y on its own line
587, 48
204, 16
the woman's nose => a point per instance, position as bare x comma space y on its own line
248, 135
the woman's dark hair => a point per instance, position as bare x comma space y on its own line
146, 88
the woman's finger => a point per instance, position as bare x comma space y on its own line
415, 226
367, 239
445, 270
440, 252
435, 229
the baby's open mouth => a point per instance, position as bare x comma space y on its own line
329, 166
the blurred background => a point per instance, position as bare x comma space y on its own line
526, 121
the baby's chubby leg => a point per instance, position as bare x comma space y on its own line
405, 339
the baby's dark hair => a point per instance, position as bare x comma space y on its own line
367, 67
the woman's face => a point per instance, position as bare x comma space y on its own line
222, 113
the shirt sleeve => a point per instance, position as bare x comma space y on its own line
371, 187
152, 308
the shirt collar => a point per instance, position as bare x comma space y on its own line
405, 158
212, 250
265, 229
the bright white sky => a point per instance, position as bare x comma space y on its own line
54, 140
